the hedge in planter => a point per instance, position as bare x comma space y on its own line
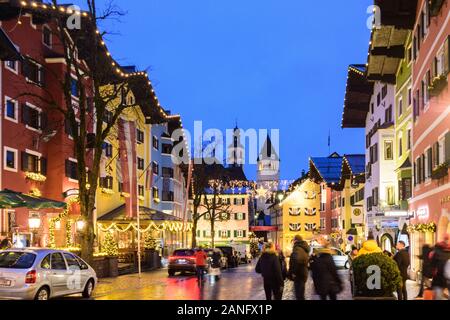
390, 280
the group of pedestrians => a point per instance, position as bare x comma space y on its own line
436, 268
273, 268
327, 283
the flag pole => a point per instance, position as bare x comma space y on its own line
139, 229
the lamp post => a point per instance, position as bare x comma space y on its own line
34, 223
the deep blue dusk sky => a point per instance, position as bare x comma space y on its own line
269, 63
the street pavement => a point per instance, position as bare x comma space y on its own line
236, 284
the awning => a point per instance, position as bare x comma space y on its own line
11, 199
145, 214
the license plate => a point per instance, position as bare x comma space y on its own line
182, 261
5, 283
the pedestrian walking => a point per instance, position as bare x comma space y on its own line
270, 268
298, 266
327, 282
403, 262
352, 256
439, 257
216, 258
426, 268
200, 264
283, 264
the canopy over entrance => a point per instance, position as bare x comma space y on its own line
11, 199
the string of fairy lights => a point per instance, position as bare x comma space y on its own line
117, 68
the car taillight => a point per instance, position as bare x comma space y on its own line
171, 259
31, 277
192, 260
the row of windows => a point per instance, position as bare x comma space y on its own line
236, 201
306, 211
434, 156
223, 233
239, 216
29, 162
297, 227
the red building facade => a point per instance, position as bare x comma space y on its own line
431, 138
37, 149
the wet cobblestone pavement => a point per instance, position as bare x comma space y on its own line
236, 284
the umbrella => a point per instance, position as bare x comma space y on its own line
11, 199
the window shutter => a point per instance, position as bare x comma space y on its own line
41, 76
44, 120
235, 216
243, 201
244, 233
430, 162
43, 166
24, 161
25, 114
204, 233
229, 233
235, 233
68, 167
446, 56
447, 147
235, 201
198, 233
243, 216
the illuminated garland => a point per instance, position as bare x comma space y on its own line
171, 226
149, 241
69, 237
35, 176
108, 191
423, 227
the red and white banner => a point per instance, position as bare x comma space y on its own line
128, 158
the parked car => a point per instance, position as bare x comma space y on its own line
339, 257
182, 260
42, 274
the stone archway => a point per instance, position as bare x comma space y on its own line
443, 226
387, 242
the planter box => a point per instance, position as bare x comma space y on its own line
106, 267
440, 172
152, 260
438, 85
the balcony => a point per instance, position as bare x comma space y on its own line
435, 7
440, 172
437, 85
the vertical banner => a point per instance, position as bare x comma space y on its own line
127, 145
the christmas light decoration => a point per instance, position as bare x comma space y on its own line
109, 245
35, 176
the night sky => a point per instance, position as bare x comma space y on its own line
267, 63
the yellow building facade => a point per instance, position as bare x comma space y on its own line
299, 214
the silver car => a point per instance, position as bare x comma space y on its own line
41, 274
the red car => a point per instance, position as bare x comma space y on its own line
182, 260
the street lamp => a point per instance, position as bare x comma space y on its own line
34, 223
80, 225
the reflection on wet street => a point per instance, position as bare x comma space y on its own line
235, 284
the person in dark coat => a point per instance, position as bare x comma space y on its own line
403, 262
298, 266
282, 263
426, 267
439, 257
270, 268
327, 282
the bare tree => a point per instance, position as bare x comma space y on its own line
101, 86
216, 208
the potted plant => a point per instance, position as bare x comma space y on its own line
376, 277
151, 256
437, 85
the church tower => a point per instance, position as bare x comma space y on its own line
236, 150
268, 163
